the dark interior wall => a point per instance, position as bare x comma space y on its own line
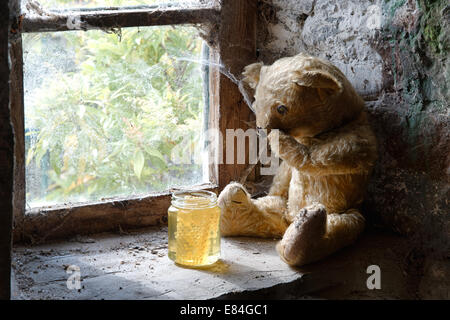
410, 189
6, 158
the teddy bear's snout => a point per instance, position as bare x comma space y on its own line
267, 125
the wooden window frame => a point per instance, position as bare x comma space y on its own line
232, 25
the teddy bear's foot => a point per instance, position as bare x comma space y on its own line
234, 197
241, 216
314, 234
236, 207
299, 241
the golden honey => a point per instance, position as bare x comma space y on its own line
194, 236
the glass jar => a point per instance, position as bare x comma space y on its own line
194, 234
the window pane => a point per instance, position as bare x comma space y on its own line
112, 115
61, 4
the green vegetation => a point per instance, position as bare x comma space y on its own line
104, 112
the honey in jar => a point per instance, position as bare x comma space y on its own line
194, 236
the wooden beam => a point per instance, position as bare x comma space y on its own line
237, 48
108, 19
42, 224
18, 122
6, 157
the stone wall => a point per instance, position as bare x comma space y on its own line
395, 52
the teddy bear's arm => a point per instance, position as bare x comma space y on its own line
341, 153
346, 153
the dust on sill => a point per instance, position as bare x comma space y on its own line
135, 266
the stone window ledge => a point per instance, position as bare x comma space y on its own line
136, 266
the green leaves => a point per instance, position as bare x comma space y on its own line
107, 114
138, 163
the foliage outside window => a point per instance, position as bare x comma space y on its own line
106, 112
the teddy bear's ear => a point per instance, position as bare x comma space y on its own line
251, 74
322, 80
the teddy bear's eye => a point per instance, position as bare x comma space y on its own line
282, 109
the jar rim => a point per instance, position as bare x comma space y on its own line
179, 198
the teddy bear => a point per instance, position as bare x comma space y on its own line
327, 150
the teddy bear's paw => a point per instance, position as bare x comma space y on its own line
234, 197
312, 217
301, 237
236, 217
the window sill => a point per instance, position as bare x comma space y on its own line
136, 266
65, 221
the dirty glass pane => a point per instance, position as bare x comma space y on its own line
112, 114
62, 4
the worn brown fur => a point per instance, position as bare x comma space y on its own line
328, 150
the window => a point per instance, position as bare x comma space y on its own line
108, 93
106, 113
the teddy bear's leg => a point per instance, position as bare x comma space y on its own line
314, 234
242, 216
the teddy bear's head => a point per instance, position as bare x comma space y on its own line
301, 95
